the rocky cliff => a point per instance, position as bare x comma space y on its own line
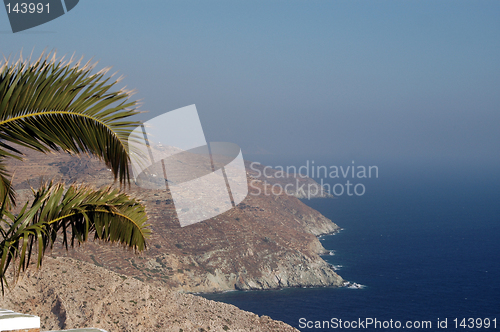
268, 241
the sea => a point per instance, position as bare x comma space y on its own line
424, 246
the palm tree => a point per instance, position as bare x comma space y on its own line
50, 105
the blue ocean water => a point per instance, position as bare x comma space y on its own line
426, 246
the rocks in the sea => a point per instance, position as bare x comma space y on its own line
352, 285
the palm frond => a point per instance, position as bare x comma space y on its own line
79, 213
49, 105
7, 193
52, 105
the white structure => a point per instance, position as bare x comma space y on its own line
14, 321
10, 320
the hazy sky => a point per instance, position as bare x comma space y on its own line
368, 80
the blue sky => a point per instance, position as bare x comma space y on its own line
366, 80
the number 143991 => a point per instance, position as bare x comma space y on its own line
477, 323
31, 8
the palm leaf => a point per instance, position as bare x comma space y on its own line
78, 213
51, 105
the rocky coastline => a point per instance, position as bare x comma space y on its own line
266, 242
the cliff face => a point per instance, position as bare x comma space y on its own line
267, 241
68, 294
